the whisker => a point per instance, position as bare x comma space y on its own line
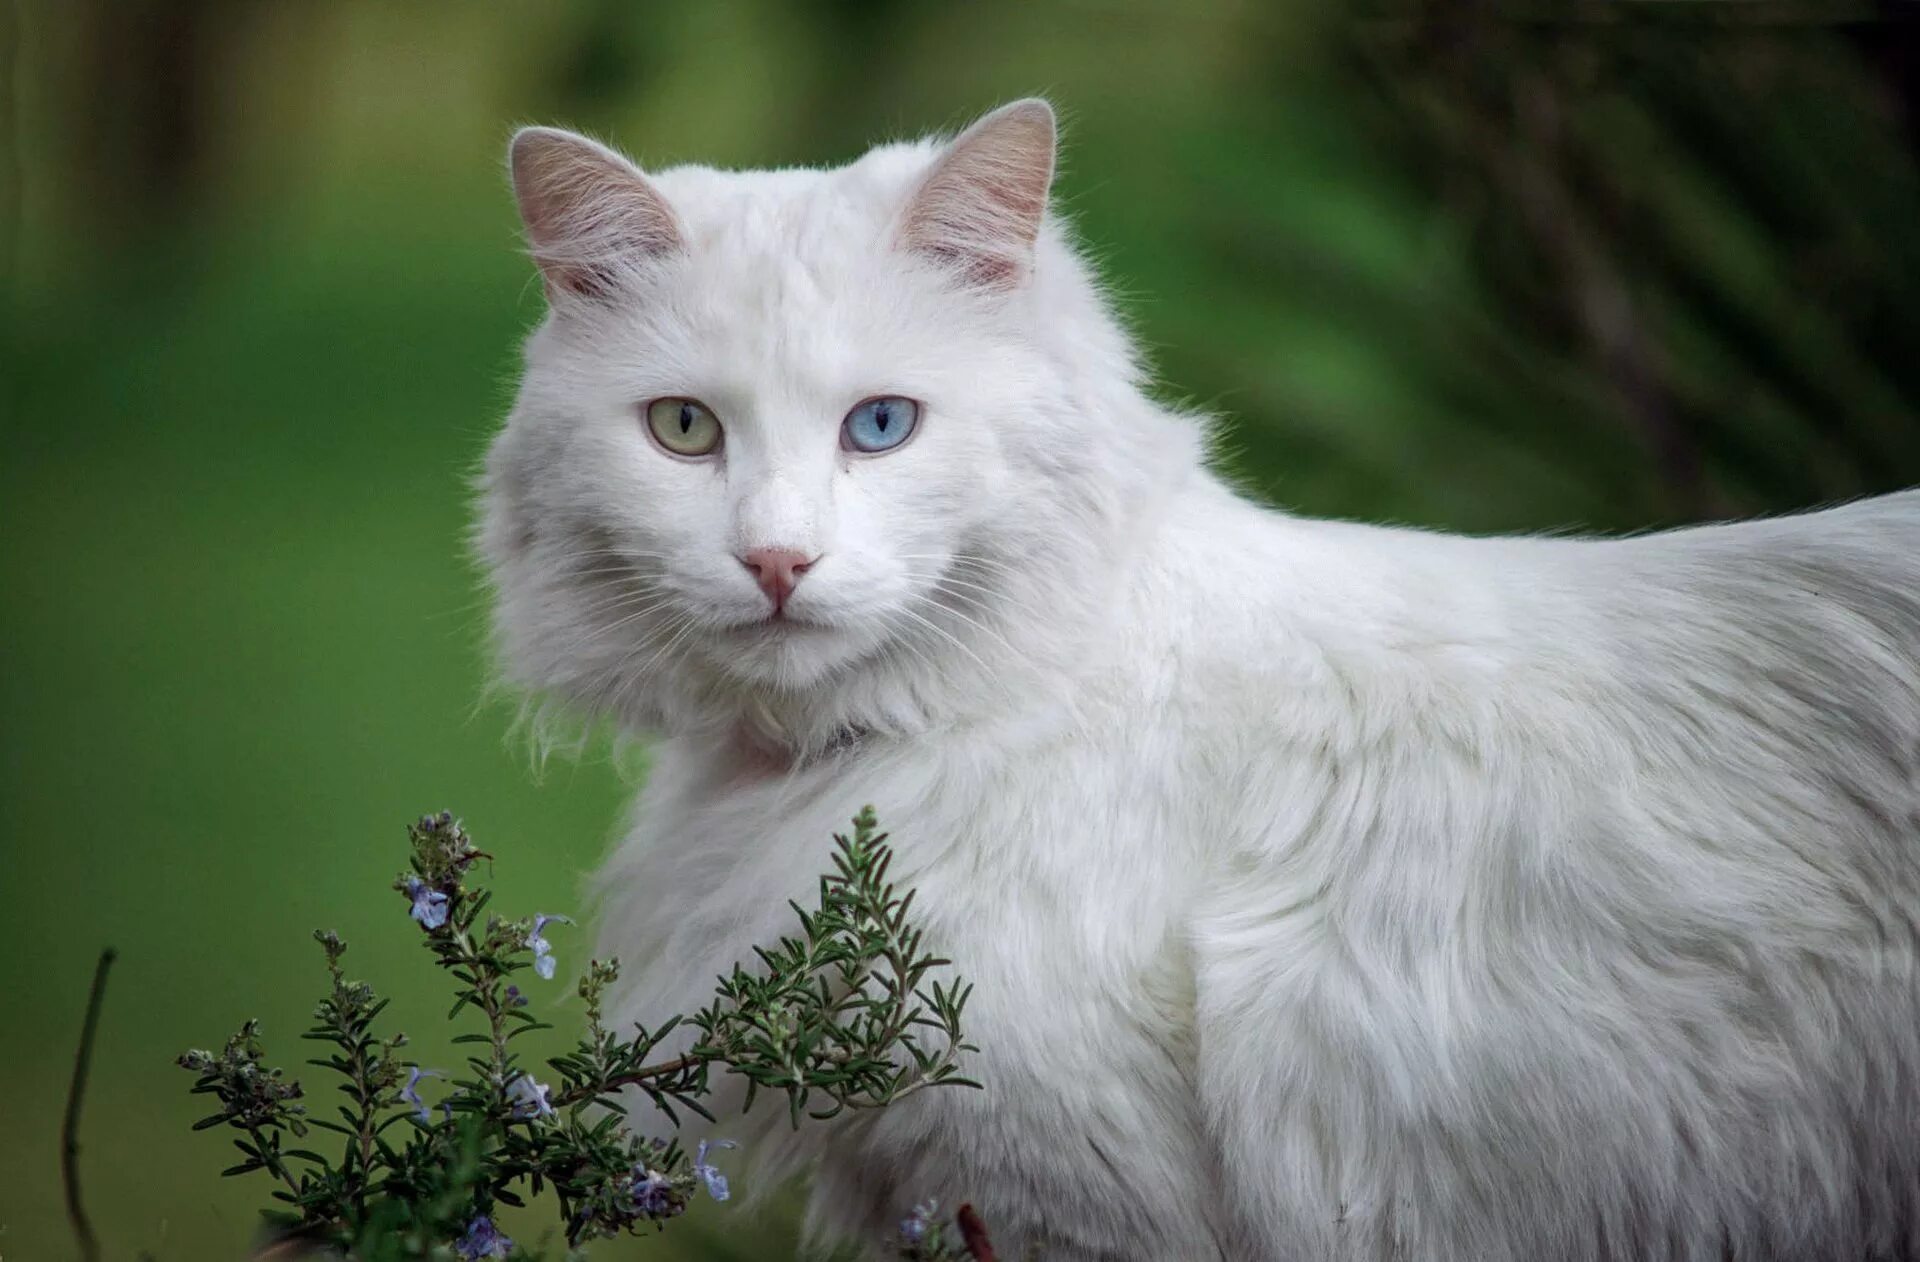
949, 637
974, 560
688, 624
617, 600
627, 554
890, 627
978, 626
586, 636
635, 616
960, 587
925, 599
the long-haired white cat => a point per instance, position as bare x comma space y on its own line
1330, 891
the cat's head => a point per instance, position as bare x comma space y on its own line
815, 440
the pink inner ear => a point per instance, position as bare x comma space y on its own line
587, 211
979, 210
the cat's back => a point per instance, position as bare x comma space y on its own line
1862, 556
1603, 851
1794, 637
1718, 726
1286, 606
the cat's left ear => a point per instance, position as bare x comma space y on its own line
979, 210
589, 212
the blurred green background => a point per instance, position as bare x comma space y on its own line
1479, 267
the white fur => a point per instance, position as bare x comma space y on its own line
1330, 891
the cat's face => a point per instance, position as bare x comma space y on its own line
779, 421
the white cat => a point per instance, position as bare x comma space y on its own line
1330, 891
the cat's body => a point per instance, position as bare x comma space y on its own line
1329, 891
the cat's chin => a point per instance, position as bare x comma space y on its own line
786, 652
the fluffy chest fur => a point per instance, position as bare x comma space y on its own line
1053, 862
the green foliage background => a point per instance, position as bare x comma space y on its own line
1480, 267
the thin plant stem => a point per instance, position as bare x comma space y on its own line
633, 1077
275, 1166
70, 1129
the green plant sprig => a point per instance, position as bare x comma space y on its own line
840, 1011
848, 1014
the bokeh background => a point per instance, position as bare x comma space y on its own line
1480, 267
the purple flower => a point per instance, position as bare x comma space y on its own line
715, 1181
913, 1228
529, 1097
543, 961
411, 1092
514, 998
429, 904
483, 1240
652, 1192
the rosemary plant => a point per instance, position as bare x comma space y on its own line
845, 1014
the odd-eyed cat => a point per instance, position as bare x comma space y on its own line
1329, 891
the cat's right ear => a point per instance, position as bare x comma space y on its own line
589, 213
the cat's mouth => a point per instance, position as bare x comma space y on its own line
779, 622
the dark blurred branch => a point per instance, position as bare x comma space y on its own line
70, 1129
13, 176
1597, 290
151, 75
1491, 93
973, 1233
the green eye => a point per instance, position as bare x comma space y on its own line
684, 426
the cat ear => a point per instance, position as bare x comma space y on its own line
588, 211
979, 209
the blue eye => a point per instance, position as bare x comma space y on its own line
879, 424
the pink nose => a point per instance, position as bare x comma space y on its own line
776, 570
